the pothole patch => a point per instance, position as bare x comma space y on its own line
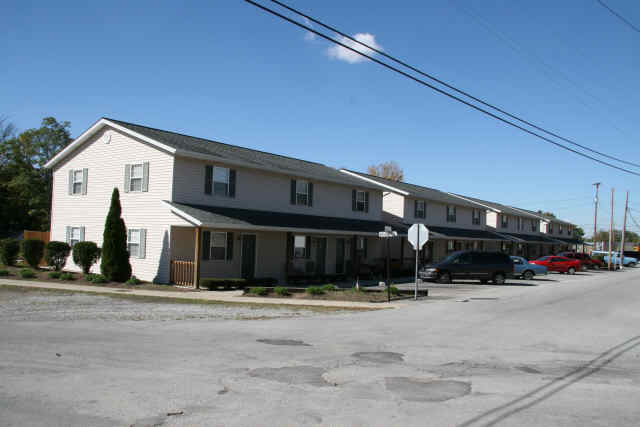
310, 375
283, 342
379, 356
417, 390
528, 369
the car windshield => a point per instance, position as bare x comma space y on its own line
451, 257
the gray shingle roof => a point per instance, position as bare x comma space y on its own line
504, 208
259, 159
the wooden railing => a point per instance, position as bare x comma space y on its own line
181, 272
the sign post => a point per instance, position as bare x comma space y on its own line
388, 233
418, 235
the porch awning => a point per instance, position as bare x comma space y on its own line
568, 240
249, 219
451, 233
529, 238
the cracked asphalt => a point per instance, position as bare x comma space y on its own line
560, 351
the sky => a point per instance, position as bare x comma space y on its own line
225, 70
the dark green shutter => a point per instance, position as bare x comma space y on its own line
232, 183
229, 246
311, 194
366, 201
354, 204
206, 245
289, 246
364, 248
415, 209
293, 191
307, 247
208, 179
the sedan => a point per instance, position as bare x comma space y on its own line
559, 264
627, 261
526, 270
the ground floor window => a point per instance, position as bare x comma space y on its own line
75, 236
219, 246
133, 242
451, 244
300, 247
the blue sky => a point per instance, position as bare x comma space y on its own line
225, 70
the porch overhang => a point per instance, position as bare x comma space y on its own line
220, 217
529, 238
451, 233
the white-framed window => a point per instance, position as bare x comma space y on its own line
219, 246
75, 235
421, 211
133, 242
504, 221
560, 229
451, 213
77, 181
360, 243
221, 181
300, 246
475, 216
361, 201
451, 245
302, 192
137, 174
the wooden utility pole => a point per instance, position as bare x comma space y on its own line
611, 233
595, 216
624, 226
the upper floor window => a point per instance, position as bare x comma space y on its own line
519, 223
136, 242
534, 225
136, 177
560, 229
475, 218
451, 213
550, 228
78, 181
360, 201
220, 181
420, 210
301, 192
504, 221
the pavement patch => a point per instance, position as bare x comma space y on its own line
379, 356
296, 375
283, 342
528, 369
417, 390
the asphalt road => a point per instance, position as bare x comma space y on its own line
563, 351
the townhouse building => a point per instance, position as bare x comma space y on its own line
198, 208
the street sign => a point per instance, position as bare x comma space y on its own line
418, 235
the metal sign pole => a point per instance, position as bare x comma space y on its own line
415, 296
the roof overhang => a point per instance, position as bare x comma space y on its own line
374, 182
487, 207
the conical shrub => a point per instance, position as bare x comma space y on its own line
115, 264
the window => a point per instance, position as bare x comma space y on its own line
302, 192
550, 228
360, 245
221, 181
77, 181
451, 245
135, 181
420, 211
75, 236
300, 246
560, 229
504, 221
362, 202
218, 246
504, 247
534, 225
519, 223
475, 219
451, 213
133, 243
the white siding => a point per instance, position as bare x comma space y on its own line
437, 215
394, 204
105, 164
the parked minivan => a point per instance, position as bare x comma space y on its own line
470, 265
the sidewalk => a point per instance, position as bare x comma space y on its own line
213, 296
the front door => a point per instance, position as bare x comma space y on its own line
248, 256
339, 256
321, 254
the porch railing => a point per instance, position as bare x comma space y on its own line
181, 272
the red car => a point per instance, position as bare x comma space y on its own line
559, 264
585, 259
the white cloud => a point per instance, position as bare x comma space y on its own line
350, 56
308, 35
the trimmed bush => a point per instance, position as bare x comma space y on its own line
32, 251
281, 291
259, 290
315, 290
54, 275
4, 272
97, 279
214, 284
9, 250
66, 276
133, 280
27, 273
115, 265
89, 277
56, 253
85, 254
394, 291
329, 287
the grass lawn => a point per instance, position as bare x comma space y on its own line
335, 295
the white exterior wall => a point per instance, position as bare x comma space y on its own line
269, 191
437, 215
394, 204
105, 164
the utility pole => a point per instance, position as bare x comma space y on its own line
624, 226
611, 233
595, 216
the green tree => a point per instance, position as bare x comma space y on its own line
578, 233
629, 236
115, 264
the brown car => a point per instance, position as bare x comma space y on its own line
586, 261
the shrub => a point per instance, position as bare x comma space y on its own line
32, 251
329, 287
9, 250
85, 254
54, 275
281, 290
115, 265
263, 281
4, 272
27, 273
89, 277
66, 276
315, 290
56, 253
133, 280
259, 290
214, 284
97, 279
394, 291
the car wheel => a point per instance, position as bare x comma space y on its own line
527, 275
583, 267
631, 264
571, 270
597, 267
498, 279
444, 278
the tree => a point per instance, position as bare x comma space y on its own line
578, 233
115, 264
629, 236
32, 251
56, 253
389, 170
546, 214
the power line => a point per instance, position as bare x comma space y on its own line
620, 17
447, 85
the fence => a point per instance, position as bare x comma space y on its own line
37, 235
181, 272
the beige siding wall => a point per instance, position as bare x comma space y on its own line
105, 164
437, 215
262, 190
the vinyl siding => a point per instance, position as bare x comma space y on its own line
105, 164
437, 215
